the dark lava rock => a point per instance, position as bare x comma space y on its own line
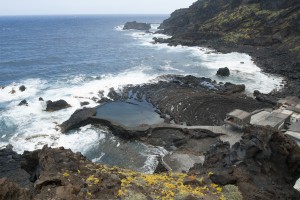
223, 71
78, 118
113, 94
84, 103
256, 93
232, 88
264, 158
104, 100
267, 98
160, 168
223, 179
137, 26
22, 88
10, 168
186, 99
41, 99
56, 105
23, 103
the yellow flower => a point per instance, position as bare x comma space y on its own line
66, 174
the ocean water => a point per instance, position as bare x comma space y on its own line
75, 57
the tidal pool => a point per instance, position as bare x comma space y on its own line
130, 113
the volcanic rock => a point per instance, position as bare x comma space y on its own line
10, 168
254, 163
84, 103
232, 88
57, 105
223, 71
22, 88
23, 103
193, 100
78, 118
266, 98
137, 26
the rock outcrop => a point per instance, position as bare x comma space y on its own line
254, 163
22, 88
78, 118
268, 30
11, 169
56, 105
137, 26
223, 71
193, 100
67, 175
23, 103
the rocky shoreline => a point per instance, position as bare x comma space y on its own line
264, 164
266, 30
257, 163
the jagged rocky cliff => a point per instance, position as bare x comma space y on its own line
268, 30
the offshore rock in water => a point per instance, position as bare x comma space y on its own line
57, 105
23, 103
223, 71
22, 88
137, 26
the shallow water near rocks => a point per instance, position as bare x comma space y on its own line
131, 113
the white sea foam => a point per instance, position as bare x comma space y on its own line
33, 86
152, 156
98, 159
36, 127
297, 185
119, 28
243, 70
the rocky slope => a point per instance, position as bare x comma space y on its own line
268, 30
58, 174
263, 165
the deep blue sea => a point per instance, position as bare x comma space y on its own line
75, 57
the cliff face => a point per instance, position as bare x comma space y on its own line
268, 30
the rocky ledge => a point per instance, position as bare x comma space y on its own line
268, 30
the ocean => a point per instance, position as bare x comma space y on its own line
75, 57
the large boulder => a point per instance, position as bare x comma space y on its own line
223, 71
137, 26
22, 88
56, 105
233, 88
77, 119
265, 98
